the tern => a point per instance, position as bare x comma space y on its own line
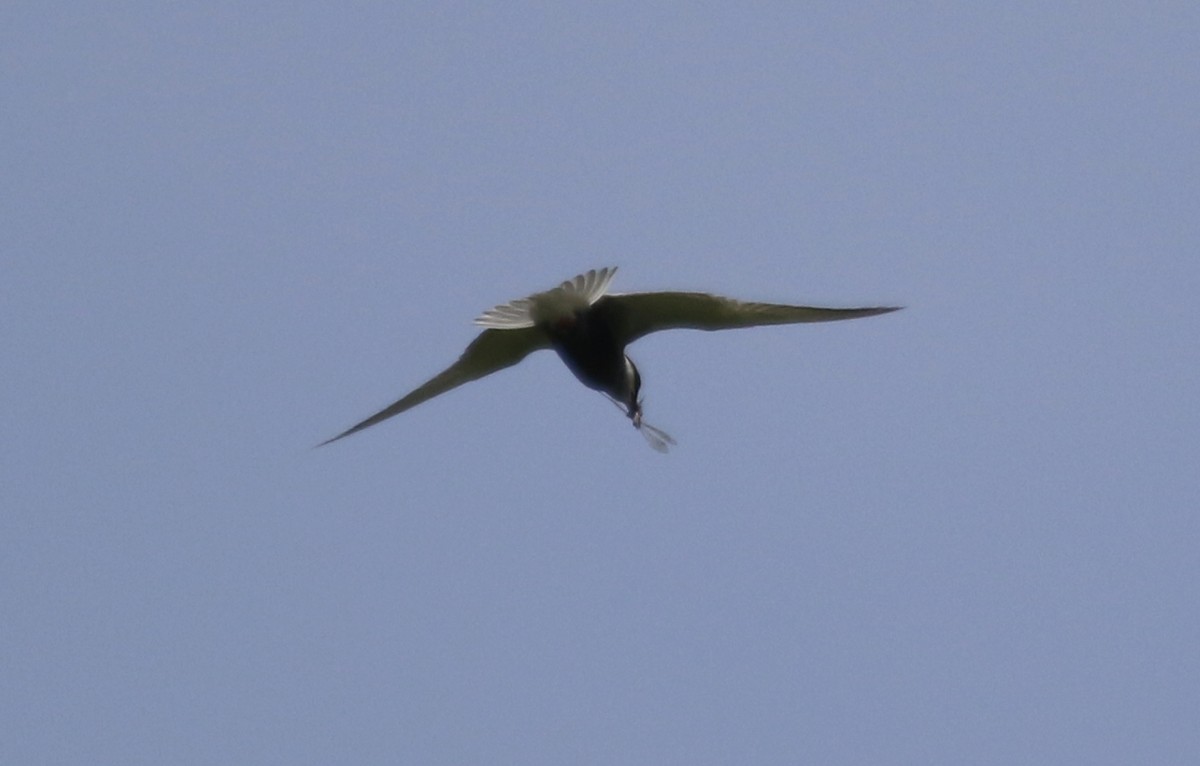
589, 328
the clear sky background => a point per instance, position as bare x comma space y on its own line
964, 533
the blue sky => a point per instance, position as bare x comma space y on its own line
964, 533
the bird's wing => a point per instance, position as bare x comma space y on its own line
491, 351
636, 314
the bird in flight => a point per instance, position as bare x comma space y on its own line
589, 328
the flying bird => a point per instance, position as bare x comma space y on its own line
590, 328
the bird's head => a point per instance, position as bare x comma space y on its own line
631, 391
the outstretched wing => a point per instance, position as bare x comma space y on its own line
492, 351
637, 314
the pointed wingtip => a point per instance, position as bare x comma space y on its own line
878, 310
355, 429
331, 440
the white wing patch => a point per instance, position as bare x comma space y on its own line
567, 298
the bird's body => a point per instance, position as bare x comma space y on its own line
588, 346
590, 328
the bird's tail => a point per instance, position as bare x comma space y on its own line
569, 297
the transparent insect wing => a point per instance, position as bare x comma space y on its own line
657, 438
